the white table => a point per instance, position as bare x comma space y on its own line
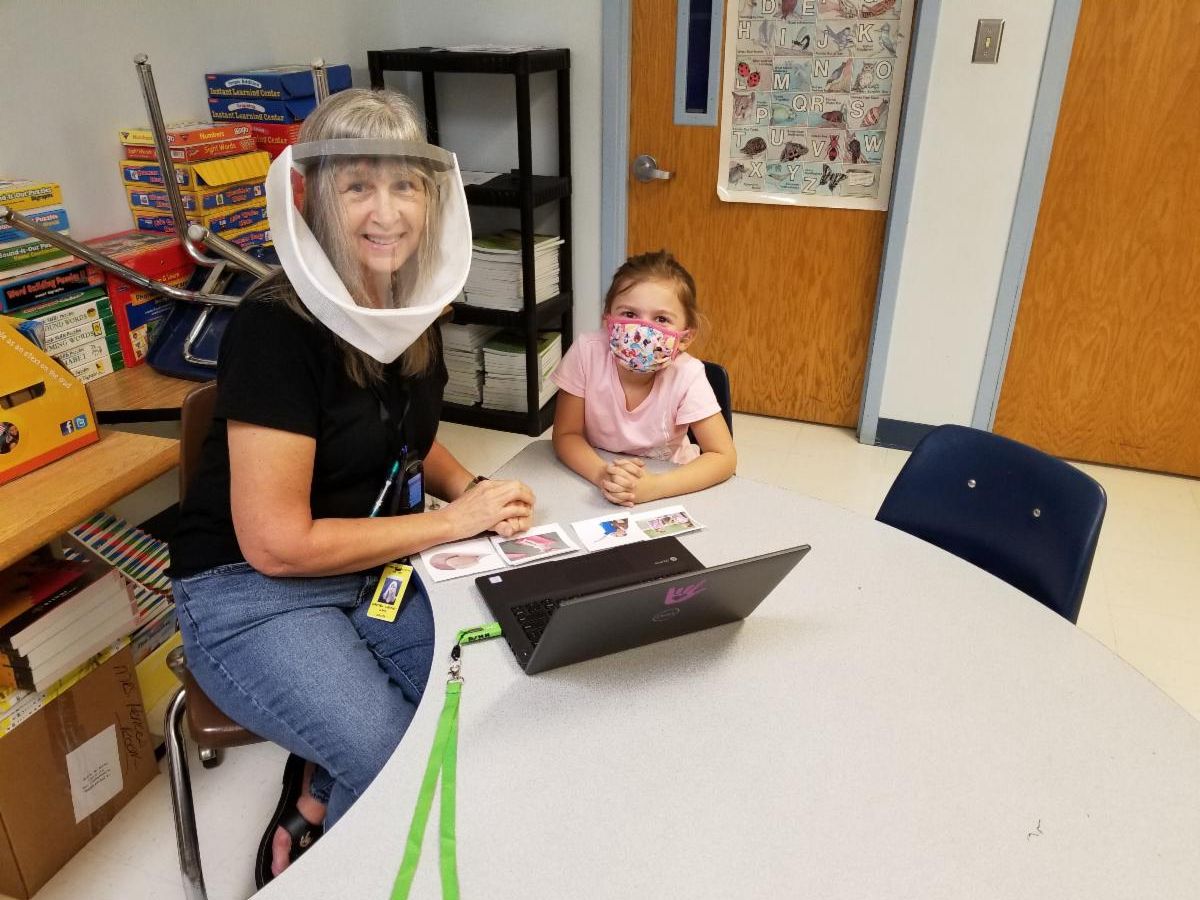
891, 723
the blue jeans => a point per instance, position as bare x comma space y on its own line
298, 662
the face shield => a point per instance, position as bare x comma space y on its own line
383, 242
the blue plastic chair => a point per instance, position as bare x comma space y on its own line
1024, 516
719, 379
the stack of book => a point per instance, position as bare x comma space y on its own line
61, 299
40, 201
462, 346
55, 615
504, 370
143, 560
221, 175
496, 277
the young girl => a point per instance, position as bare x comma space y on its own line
631, 389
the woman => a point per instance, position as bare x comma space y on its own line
329, 393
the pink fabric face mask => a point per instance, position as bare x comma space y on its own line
643, 346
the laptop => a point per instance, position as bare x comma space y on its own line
546, 632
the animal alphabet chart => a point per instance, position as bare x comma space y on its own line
811, 102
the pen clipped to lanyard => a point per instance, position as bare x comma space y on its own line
383, 491
406, 477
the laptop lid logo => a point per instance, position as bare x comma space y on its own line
684, 592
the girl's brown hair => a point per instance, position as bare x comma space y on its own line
658, 265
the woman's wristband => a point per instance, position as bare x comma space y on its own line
474, 481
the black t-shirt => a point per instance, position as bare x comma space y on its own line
279, 370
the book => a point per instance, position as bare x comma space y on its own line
34, 586
504, 370
496, 278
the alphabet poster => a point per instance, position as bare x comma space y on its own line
812, 98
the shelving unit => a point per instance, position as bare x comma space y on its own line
520, 189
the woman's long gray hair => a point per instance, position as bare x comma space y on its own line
387, 115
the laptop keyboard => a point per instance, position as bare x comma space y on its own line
534, 617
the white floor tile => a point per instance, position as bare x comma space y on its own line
1141, 602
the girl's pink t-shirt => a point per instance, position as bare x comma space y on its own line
657, 428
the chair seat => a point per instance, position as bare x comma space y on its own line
211, 728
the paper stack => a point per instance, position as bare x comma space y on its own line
495, 279
504, 369
462, 346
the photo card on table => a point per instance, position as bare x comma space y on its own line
537, 543
472, 557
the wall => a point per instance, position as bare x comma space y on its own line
972, 146
70, 111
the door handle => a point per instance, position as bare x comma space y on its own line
645, 168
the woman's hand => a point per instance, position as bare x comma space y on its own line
505, 507
624, 481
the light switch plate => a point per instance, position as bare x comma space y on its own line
987, 41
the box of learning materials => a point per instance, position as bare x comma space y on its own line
139, 312
200, 175
185, 134
274, 137
45, 413
275, 82
155, 200
68, 770
232, 109
194, 152
220, 220
21, 195
47, 284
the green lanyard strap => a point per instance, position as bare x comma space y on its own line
443, 760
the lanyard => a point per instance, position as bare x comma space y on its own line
443, 762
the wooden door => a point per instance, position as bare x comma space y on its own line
1105, 358
788, 292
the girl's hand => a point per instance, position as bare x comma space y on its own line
505, 507
621, 480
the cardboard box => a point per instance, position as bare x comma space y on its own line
200, 175
273, 138
92, 360
69, 769
185, 134
253, 236
45, 414
154, 200
221, 220
275, 82
41, 286
138, 312
52, 218
227, 109
194, 152
22, 195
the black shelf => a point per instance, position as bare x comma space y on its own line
544, 312
518, 189
501, 419
506, 190
430, 59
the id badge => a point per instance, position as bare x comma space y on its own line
389, 592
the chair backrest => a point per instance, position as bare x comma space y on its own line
195, 419
1028, 518
719, 379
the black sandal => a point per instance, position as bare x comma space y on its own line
287, 816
